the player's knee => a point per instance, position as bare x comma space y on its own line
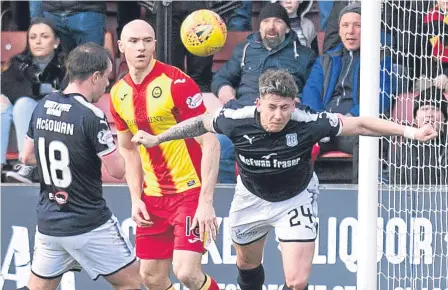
251, 279
151, 277
184, 278
296, 283
188, 275
248, 261
147, 271
127, 283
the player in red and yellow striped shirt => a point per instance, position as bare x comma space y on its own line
174, 209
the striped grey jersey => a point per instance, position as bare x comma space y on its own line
274, 166
70, 135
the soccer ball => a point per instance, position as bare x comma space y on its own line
203, 33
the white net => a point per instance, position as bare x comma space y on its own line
413, 232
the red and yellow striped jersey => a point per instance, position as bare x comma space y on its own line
166, 97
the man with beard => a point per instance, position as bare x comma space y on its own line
275, 45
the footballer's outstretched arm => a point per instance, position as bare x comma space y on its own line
190, 128
370, 126
193, 127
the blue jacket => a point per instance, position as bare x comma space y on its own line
250, 59
324, 76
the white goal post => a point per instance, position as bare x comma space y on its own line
368, 159
402, 232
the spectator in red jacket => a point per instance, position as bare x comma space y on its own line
436, 30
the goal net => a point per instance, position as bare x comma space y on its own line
413, 203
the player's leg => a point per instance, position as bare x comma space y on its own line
39, 283
248, 261
50, 262
297, 230
188, 248
187, 269
154, 246
105, 251
155, 273
297, 259
127, 278
248, 228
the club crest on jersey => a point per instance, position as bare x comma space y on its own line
105, 137
156, 92
60, 197
333, 119
194, 101
291, 139
194, 234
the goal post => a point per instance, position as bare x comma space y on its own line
402, 232
369, 146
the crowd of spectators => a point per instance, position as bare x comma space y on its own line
328, 78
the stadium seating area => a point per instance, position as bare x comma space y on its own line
13, 42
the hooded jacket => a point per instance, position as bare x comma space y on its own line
305, 26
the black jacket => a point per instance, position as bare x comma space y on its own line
22, 77
223, 8
420, 163
73, 7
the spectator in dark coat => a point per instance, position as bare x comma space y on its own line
415, 163
38, 71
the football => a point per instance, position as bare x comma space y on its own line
203, 33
